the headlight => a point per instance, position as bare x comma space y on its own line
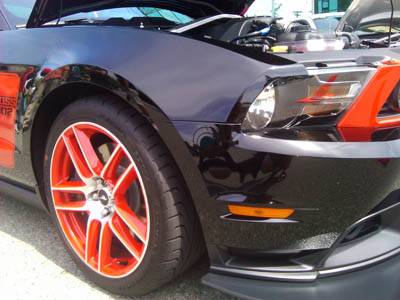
261, 111
319, 98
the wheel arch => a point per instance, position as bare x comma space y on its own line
53, 94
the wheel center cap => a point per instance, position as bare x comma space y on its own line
103, 197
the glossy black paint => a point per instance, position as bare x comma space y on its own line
155, 67
196, 103
331, 192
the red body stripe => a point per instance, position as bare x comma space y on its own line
9, 87
364, 111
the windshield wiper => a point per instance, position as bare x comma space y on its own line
82, 21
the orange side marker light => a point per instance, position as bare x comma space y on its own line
260, 212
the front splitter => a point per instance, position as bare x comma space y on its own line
381, 282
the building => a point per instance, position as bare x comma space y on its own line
327, 6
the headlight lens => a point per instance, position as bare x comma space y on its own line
261, 111
328, 96
318, 98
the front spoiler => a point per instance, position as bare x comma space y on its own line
377, 282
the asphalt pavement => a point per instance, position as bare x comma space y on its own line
35, 265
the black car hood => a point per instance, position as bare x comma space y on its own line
364, 14
49, 10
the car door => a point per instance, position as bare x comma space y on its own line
13, 14
9, 86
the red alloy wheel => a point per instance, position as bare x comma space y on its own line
99, 199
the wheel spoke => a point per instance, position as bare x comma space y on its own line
110, 168
131, 219
92, 237
104, 246
72, 206
70, 186
75, 154
122, 232
73, 230
88, 152
125, 180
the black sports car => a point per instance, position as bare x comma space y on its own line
155, 130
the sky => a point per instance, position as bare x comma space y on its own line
263, 7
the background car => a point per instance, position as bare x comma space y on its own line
317, 22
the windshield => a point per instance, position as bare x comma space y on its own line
17, 12
326, 24
129, 16
362, 16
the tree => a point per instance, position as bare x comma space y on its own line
275, 10
297, 13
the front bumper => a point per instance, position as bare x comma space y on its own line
359, 265
329, 190
377, 282
345, 196
369, 241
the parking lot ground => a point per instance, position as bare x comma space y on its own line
35, 265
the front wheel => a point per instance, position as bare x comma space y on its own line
117, 198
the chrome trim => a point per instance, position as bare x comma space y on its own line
202, 22
286, 273
301, 268
362, 265
371, 150
278, 276
266, 220
338, 69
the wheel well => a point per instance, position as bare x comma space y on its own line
49, 109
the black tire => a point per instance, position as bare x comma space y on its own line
175, 240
